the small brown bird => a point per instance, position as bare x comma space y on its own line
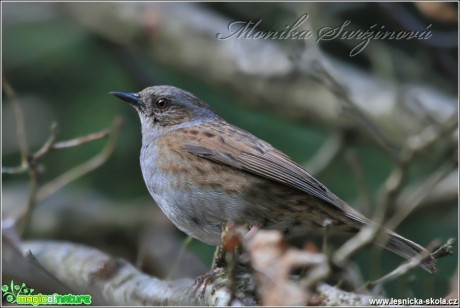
204, 172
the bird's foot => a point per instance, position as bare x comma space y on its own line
201, 282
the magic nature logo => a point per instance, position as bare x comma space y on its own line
20, 294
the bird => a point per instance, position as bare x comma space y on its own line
204, 172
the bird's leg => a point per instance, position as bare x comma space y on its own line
218, 264
225, 256
203, 280
229, 243
219, 257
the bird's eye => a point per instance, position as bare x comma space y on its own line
162, 103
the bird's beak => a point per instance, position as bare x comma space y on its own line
132, 98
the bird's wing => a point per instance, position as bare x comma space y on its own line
239, 149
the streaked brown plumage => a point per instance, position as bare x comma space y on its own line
203, 172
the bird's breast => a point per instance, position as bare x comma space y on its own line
197, 195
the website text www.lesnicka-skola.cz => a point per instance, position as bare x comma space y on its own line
413, 301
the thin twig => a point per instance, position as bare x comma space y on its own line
48, 145
19, 116
38, 194
413, 200
81, 140
413, 149
432, 135
371, 231
399, 271
78, 171
30, 163
443, 251
27, 163
326, 154
391, 190
342, 93
14, 170
51, 145
363, 238
31, 200
357, 169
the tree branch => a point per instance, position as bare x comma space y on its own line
88, 166
257, 80
31, 162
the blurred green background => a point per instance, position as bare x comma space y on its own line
63, 72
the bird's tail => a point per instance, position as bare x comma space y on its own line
408, 249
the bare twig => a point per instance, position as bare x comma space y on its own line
364, 193
82, 140
326, 154
32, 199
413, 200
370, 232
363, 238
391, 189
14, 170
47, 147
432, 135
51, 144
443, 251
37, 194
398, 272
343, 95
31, 162
19, 115
78, 171
443, 195
27, 163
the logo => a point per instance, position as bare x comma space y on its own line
20, 294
